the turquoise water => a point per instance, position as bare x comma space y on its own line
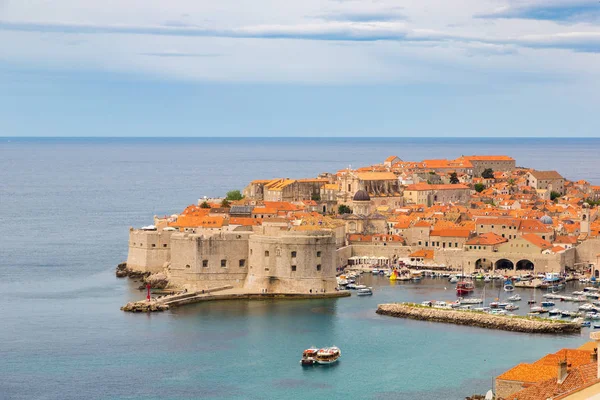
66, 206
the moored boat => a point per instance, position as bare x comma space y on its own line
365, 292
515, 297
464, 287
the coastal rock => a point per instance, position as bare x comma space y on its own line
482, 320
144, 306
157, 281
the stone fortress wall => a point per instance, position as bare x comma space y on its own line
273, 259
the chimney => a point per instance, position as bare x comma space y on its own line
594, 356
562, 371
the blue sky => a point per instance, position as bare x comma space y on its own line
311, 68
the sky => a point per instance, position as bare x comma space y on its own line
415, 68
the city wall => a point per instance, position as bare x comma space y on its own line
149, 251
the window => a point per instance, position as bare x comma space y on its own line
419, 242
266, 253
242, 263
318, 267
293, 254
165, 245
188, 266
293, 268
223, 263
318, 254
456, 244
250, 251
426, 244
205, 263
153, 245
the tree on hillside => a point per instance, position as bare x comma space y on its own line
315, 196
554, 195
344, 209
234, 195
487, 173
225, 203
204, 205
454, 178
479, 187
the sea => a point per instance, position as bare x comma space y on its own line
66, 205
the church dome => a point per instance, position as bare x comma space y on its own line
546, 220
361, 195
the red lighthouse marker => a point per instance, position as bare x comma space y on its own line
148, 296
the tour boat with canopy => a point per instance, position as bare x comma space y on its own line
328, 355
309, 356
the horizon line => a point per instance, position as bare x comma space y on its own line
300, 137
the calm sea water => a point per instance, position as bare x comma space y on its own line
66, 206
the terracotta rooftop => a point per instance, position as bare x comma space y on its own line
487, 239
464, 233
545, 175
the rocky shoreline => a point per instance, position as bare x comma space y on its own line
156, 281
482, 320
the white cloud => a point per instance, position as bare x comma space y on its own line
269, 40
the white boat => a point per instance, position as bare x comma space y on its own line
328, 355
487, 278
515, 297
554, 311
586, 307
365, 292
511, 307
453, 279
508, 287
470, 301
592, 315
358, 287
482, 309
426, 303
578, 293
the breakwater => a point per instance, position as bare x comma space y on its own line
479, 319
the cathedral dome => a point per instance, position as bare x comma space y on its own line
546, 220
361, 195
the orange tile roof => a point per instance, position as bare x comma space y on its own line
450, 233
529, 373
264, 210
376, 176
498, 221
422, 224
245, 221
537, 241
488, 158
427, 254
420, 187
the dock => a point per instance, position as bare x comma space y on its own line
223, 293
478, 319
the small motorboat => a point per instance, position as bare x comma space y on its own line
426, 303
511, 307
494, 304
453, 279
470, 301
503, 305
547, 303
487, 279
586, 324
531, 301
309, 356
514, 297
508, 286
365, 292
328, 355
596, 326
358, 287
586, 307
554, 311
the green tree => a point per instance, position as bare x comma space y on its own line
479, 187
225, 203
554, 195
487, 173
204, 205
316, 197
454, 178
234, 195
344, 209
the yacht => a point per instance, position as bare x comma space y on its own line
464, 287
508, 286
